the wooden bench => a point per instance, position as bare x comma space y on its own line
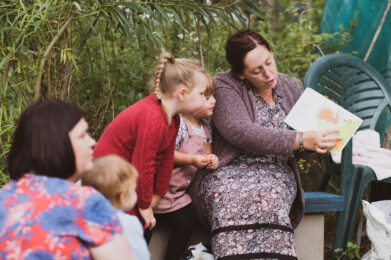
309, 234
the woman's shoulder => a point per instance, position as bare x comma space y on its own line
288, 79
288, 85
86, 194
227, 84
93, 205
60, 190
81, 190
227, 79
75, 195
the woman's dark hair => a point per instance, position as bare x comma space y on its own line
238, 45
41, 141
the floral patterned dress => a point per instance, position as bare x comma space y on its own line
50, 218
248, 201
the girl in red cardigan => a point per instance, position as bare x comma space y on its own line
144, 133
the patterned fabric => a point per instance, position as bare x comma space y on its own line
50, 218
176, 196
183, 131
235, 133
248, 201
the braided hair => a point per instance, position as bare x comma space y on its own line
165, 58
170, 72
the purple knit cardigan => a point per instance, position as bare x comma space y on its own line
235, 132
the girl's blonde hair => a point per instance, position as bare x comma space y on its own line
171, 71
211, 88
111, 176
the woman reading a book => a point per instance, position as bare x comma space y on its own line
255, 200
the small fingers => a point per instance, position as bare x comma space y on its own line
212, 166
147, 223
205, 159
327, 132
153, 223
209, 160
202, 162
205, 163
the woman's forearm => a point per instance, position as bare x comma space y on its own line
236, 126
296, 144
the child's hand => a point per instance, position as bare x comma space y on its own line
214, 162
200, 161
149, 218
155, 200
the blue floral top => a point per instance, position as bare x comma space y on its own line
50, 218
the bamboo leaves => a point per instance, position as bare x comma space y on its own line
45, 45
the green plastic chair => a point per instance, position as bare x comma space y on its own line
387, 75
359, 88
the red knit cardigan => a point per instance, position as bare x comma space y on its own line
141, 135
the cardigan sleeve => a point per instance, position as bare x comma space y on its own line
166, 166
149, 135
233, 122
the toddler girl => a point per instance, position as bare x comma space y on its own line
116, 179
144, 133
193, 150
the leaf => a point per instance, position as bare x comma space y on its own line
178, 17
161, 13
122, 20
251, 7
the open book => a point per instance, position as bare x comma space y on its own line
314, 111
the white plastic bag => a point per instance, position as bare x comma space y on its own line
199, 252
378, 230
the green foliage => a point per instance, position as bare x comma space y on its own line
311, 170
10, 108
352, 252
294, 37
100, 54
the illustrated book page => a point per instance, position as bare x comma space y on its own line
314, 111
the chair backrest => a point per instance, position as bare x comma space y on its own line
387, 75
354, 85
